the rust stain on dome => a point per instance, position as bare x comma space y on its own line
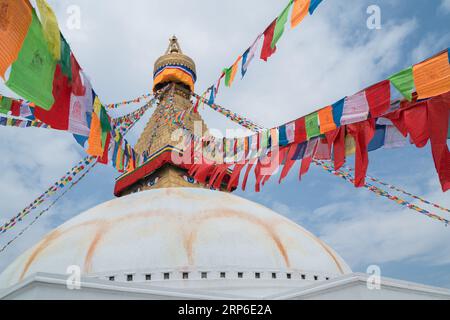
188, 224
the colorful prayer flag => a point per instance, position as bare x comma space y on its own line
267, 51
299, 11
50, 27
312, 125
379, 98
432, 77
32, 73
15, 20
356, 109
338, 109
250, 55
326, 121
313, 6
280, 24
404, 82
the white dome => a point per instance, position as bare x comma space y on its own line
177, 229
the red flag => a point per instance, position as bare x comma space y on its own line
58, 116
300, 131
104, 159
379, 98
337, 138
15, 108
267, 51
417, 125
234, 180
77, 84
363, 132
439, 113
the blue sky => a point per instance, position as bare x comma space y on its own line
330, 55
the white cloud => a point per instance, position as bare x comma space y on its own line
376, 232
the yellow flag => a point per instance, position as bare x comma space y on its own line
50, 27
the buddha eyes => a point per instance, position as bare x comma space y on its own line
189, 180
153, 182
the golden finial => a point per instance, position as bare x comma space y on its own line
174, 46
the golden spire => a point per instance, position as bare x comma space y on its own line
157, 139
174, 67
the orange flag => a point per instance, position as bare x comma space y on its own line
326, 120
234, 69
95, 137
299, 11
432, 77
15, 20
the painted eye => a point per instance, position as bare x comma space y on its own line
153, 182
189, 180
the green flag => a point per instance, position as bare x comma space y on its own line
312, 125
33, 71
281, 23
404, 82
5, 105
66, 65
105, 124
228, 72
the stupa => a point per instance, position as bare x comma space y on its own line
168, 237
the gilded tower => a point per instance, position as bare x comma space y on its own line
174, 77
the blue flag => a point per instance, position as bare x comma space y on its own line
338, 109
244, 62
378, 139
313, 5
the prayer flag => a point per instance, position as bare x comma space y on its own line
393, 138
15, 20
283, 136
5, 105
244, 62
95, 139
32, 73
326, 121
312, 125
379, 98
81, 108
432, 77
313, 6
50, 27
274, 138
404, 82
290, 132
299, 11
211, 97
338, 109
58, 115
356, 109
280, 24
250, 55
64, 61
363, 132
300, 131
379, 138
267, 51
300, 151
78, 88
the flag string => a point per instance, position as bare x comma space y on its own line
347, 176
